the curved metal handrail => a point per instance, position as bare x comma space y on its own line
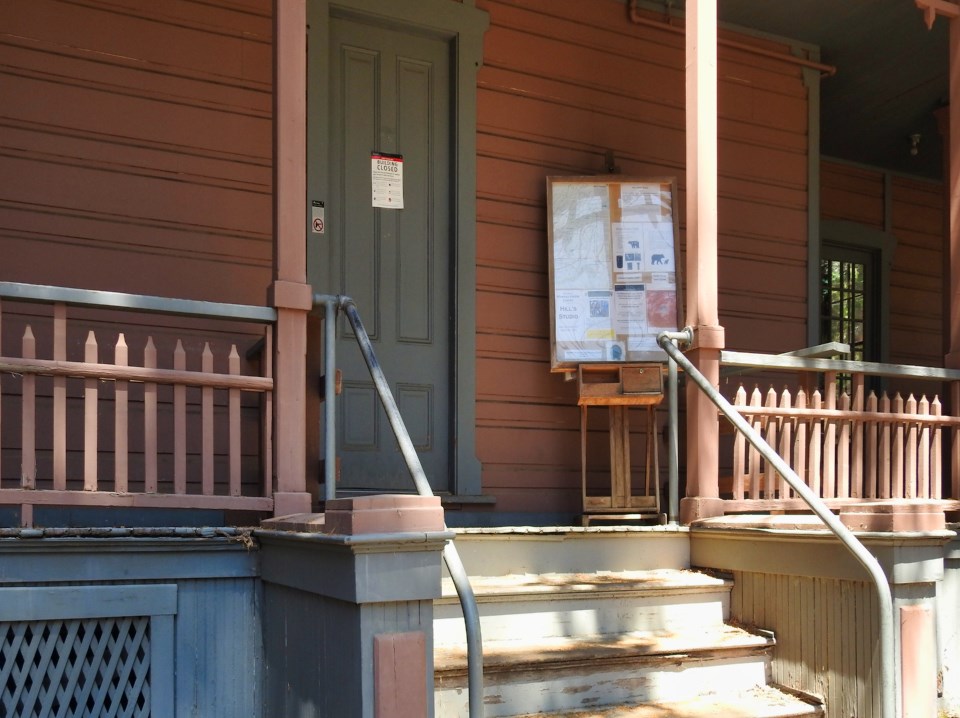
468, 602
867, 560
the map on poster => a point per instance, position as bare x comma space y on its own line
613, 268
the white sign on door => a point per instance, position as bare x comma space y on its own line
386, 174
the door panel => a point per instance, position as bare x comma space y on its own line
390, 92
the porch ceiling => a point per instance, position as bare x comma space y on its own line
891, 74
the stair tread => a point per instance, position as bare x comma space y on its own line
756, 702
545, 584
572, 649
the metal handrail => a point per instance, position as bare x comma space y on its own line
136, 302
468, 602
814, 364
867, 560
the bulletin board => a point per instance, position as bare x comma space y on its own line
614, 268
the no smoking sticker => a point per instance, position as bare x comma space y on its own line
316, 215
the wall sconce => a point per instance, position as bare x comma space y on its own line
915, 144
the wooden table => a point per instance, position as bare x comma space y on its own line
620, 387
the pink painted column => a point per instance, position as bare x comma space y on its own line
703, 491
951, 282
290, 293
918, 664
952, 360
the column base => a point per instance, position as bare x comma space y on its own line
693, 508
291, 502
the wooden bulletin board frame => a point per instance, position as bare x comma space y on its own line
614, 268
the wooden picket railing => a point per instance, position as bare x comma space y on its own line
157, 473
847, 447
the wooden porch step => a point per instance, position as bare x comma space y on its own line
672, 646
559, 605
653, 582
571, 549
756, 702
604, 670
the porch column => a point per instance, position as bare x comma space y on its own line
290, 293
952, 360
703, 492
951, 283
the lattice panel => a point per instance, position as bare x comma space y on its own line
92, 668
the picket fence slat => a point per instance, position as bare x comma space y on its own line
150, 421
28, 466
179, 424
233, 402
206, 420
121, 418
60, 399
90, 398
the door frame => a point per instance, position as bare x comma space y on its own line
463, 26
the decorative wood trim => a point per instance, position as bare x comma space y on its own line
39, 603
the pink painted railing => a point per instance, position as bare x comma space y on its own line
847, 447
145, 439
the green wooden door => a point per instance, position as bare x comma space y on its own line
390, 93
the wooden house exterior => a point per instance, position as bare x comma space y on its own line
178, 144
163, 167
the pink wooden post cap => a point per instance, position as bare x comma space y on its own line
384, 513
894, 516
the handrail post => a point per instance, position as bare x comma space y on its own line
888, 679
329, 395
673, 443
673, 430
468, 602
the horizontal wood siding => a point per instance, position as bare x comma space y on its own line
563, 83
857, 194
137, 146
916, 311
827, 634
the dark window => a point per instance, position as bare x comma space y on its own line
848, 301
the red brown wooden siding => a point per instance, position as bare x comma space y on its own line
563, 83
137, 146
856, 194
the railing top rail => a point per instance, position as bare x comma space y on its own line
137, 302
752, 360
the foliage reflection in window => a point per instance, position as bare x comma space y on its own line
842, 304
